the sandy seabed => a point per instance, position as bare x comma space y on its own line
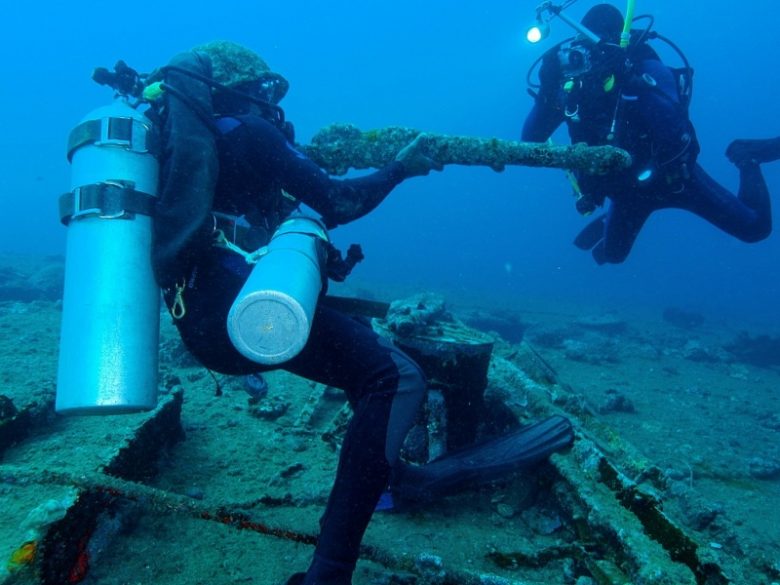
667, 394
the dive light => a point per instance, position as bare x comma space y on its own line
538, 31
547, 10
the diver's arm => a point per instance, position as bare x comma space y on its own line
540, 123
338, 200
341, 201
547, 113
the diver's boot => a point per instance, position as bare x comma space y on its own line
747, 152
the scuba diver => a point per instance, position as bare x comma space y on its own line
231, 193
611, 88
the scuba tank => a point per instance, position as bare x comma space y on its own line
271, 317
110, 313
109, 342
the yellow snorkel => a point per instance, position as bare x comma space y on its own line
625, 36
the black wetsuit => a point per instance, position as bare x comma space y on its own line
255, 162
653, 126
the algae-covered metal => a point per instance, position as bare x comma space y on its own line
339, 147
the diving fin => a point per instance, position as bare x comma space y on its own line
481, 463
743, 152
591, 234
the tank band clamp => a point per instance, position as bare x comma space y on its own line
106, 201
128, 133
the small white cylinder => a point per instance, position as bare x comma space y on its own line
270, 320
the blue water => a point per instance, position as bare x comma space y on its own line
441, 66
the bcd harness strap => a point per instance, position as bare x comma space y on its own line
114, 200
251, 257
234, 233
222, 241
234, 226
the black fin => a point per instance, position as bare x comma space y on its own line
592, 234
483, 462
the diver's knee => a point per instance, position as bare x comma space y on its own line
411, 377
407, 400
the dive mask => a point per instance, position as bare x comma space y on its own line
270, 88
575, 59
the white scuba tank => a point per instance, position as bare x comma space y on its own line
110, 314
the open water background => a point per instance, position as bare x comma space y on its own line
442, 66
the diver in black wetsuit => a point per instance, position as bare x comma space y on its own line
235, 157
628, 98
229, 166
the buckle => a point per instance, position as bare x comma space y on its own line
107, 200
127, 132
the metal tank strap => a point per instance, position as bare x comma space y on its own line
127, 132
105, 200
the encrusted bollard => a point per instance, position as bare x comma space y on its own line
454, 357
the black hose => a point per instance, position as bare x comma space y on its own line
192, 105
276, 111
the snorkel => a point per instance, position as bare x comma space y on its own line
625, 36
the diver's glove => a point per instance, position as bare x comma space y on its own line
743, 152
416, 163
585, 204
338, 267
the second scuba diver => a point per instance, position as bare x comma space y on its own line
622, 95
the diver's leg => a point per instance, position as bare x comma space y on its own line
748, 216
385, 389
621, 228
